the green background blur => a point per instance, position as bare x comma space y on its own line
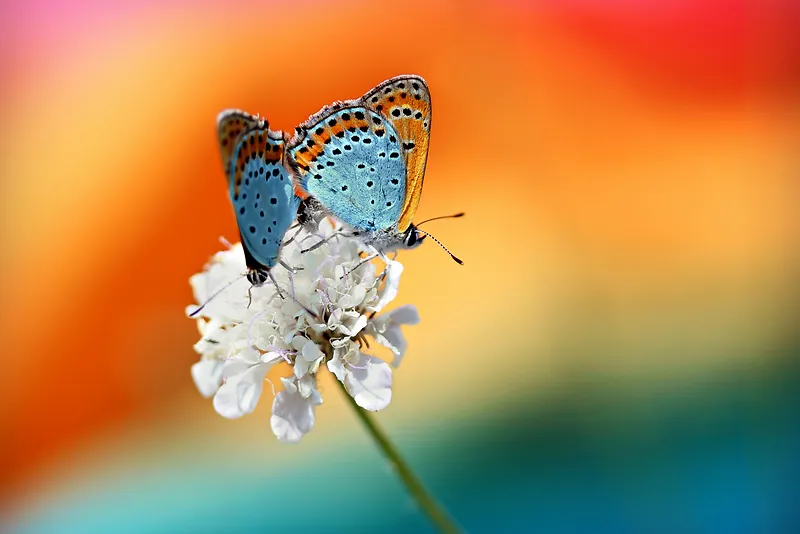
619, 353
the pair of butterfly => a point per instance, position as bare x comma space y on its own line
361, 161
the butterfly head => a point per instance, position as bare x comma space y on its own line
412, 238
257, 277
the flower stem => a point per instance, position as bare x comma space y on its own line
424, 499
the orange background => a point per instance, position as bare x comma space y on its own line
629, 173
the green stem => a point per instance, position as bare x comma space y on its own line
424, 499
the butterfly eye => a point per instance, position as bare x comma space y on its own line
411, 238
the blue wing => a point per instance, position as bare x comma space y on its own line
262, 193
350, 158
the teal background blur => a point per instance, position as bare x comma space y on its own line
619, 354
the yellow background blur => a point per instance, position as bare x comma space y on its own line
629, 173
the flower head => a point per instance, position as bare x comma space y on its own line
333, 307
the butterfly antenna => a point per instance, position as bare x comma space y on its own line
220, 290
454, 216
455, 258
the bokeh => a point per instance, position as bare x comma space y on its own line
618, 354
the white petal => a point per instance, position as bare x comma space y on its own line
311, 352
207, 375
398, 343
298, 343
302, 367
211, 349
394, 270
271, 357
241, 362
326, 226
340, 342
370, 383
307, 386
386, 329
308, 358
405, 315
354, 297
225, 268
289, 336
212, 335
349, 327
335, 318
239, 395
385, 342
234, 367
289, 384
319, 327
292, 415
359, 326
336, 366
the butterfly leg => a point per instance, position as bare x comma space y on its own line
318, 244
323, 241
385, 260
275, 283
362, 262
292, 270
299, 229
249, 296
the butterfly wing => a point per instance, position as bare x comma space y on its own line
350, 158
260, 187
231, 124
405, 102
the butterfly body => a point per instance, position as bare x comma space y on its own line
260, 188
364, 160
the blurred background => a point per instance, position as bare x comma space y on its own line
619, 353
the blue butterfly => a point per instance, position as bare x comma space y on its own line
260, 188
364, 161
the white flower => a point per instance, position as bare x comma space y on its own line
240, 343
386, 330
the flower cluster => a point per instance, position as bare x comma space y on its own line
245, 330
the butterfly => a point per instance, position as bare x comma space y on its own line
364, 161
260, 188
